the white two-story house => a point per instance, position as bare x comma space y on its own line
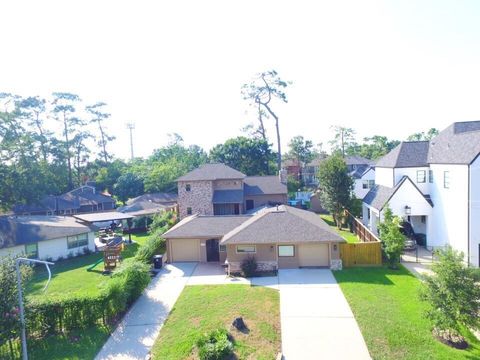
435, 185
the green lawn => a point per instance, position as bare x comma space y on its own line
346, 234
78, 345
71, 277
386, 305
201, 309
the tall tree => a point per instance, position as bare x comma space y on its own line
335, 186
128, 185
393, 241
63, 110
98, 117
301, 150
424, 136
376, 146
344, 138
264, 88
249, 155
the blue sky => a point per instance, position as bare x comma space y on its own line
381, 67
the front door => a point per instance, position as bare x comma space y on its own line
213, 253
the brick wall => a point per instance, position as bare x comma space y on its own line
199, 198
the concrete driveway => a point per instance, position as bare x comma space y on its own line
316, 320
136, 333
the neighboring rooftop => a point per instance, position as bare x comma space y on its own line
144, 208
359, 171
282, 224
406, 154
158, 198
457, 144
196, 226
102, 216
20, 230
357, 160
380, 195
214, 171
263, 185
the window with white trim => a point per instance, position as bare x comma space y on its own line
421, 176
241, 249
77, 241
31, 250
286, 250
368, 184
446, 179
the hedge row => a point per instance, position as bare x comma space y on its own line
50, 316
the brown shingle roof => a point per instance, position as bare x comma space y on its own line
212, 172
260, 185
205, 226
285, 225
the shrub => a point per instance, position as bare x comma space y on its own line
215, 346
393, 241
86, 250
249, 266
135, 276
452, 296
155, 245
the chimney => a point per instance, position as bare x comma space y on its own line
282, 175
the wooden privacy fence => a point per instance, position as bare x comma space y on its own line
363, 233
361, 254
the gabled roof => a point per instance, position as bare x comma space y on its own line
360, 171
282, 224
380, 195
358, 160
196, 226
48, 203
457, 144
158, 198
215, 171
406, 154
227, 197
20, 230
263, 185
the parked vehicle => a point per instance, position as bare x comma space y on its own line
410, 236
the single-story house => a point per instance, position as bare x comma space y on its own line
44, 237
278, 237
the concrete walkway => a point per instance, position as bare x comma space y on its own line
135, 335
316, 320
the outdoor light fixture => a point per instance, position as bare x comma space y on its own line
408, 210
334, 247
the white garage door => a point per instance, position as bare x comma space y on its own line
185, 250
313, 255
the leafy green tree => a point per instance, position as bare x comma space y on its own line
63, 110
393, 241
335, 186
9, 311
260, 92
128, 185
98, 117
452, 293
249, 155
424, 136
301, 150
293, 185
344, 138
375, 147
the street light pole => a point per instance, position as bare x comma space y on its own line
20, 297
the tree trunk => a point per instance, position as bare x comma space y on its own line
260, 120
67, 148
279, 147
104, 145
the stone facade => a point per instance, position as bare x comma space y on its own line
236, 266
336, 264
199, 198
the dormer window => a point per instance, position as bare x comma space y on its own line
421, 176
188, 187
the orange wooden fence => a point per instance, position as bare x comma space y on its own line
361, 254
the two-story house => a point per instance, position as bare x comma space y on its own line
217, 189
435, 185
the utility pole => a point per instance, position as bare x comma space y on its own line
131, 126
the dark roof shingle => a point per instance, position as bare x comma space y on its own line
227, 197
457, 144
406, 154
263, 185
283, 224
205, 226
212, 172
20, 230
